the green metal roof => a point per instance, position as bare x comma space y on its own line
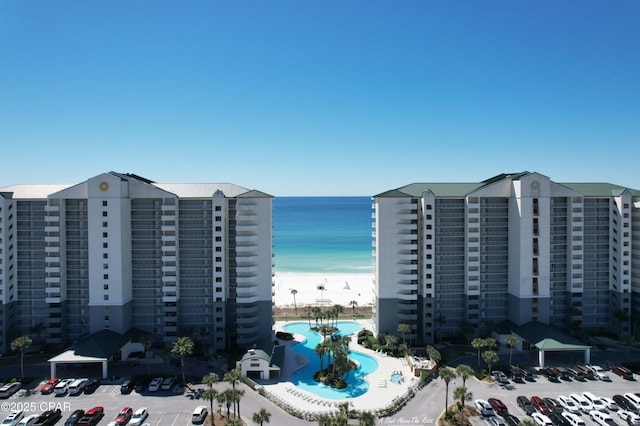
104, 343
542, 336
256, 353
601, 189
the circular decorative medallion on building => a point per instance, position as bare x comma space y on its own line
104, 186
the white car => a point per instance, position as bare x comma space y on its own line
601, 418
199, 415
573, 418
139, 416
610, 403
599, 372
595, 401
541, 419
568, 404
29, 420
155, 384
484, 408
13, 418
631, 418
582, 402
633, 399
167, 383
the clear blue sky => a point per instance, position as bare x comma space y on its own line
319, 97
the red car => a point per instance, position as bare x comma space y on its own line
498, 406
124, 416
48, 387
541, 405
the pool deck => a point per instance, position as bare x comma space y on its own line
382, 392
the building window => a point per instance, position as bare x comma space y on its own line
105, 276
105, 255
218, 218
218, 289
104, 214
104, 203
105, 245
104, 224
106, 297
218, 208
105, 235
106, 286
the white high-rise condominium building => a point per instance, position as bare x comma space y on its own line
518, 247
119, 251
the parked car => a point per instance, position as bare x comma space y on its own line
124, 416
62, 387
139, 416
91, 417
633, 399
624, 403
549, 374
601, 418
629, 417
155, 384
74, 417
588, 373
595, 401
540, 405
526, 405
484, 408
582, 402
623, 372
498, 406
199, 415
496, 421
92, 386
501, 377
13, 418
610, 403
167, 383
511, 420
77, 386
48, 418
49, 385
541, 419
562, 373
599, 372
573, 419
557, 419
554, 405
126, 387
141, 383
28, 420
576, 374
568, 404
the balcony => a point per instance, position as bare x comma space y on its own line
173, 298
413, 296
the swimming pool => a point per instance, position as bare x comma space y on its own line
356, 385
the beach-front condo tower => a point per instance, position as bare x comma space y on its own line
455, 259
119, 251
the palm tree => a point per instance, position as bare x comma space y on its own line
404, 329
353, 305
337, 310
210, 395
462, 393
320, 350
261, 416
234, 422
478, 343
464, 371
237, 396
226, 397
446, 374
210, 379
490, 357
233, 377
511, 342
367, 419
295, 306
325, 420
434, 354
183, 347
21, 344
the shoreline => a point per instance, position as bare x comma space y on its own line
322, 289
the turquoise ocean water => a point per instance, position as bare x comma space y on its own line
323, 234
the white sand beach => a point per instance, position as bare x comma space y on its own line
323, 289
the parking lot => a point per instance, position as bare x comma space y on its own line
544, 388
165, 407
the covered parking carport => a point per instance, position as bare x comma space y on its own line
543, 337
100, 347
